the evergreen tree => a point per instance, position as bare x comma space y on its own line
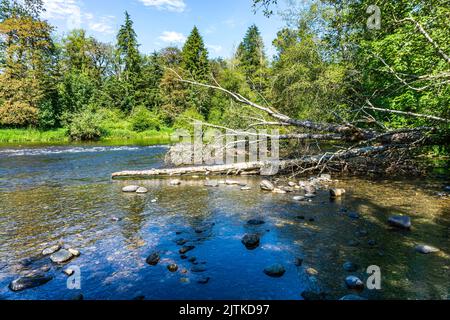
195, 56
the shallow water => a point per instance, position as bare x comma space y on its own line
65, 194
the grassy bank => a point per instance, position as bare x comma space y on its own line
60, 135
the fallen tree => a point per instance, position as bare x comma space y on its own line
360, 145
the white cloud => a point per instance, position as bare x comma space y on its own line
72, 13
214, 48
170, 5
172, 37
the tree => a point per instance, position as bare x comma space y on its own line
252, 60
195, 56
128, 55
27, 82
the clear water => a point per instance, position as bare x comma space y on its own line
65, 194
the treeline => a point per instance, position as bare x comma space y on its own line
329, 66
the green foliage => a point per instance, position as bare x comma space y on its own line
195, 56
186, 120
142, 120
85, 126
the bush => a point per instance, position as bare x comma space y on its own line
143, 119
187, 118
85, 126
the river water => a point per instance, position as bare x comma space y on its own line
65, 194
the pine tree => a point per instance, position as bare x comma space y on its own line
129, 58
195, 56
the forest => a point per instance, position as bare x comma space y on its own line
330, 65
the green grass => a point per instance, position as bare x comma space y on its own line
60, 135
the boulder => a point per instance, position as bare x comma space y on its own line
251, 241
130, 189
337, 193
61, 256
266, 185
51, 250
142, 190
25, 283
153, 259
275, 271
401, 222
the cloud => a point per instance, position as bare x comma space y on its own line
169, 5
72, 13
214, 48
172, 37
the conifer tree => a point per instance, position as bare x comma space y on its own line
195, 56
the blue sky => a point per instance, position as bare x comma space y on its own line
160, 23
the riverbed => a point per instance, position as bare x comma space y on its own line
64, 194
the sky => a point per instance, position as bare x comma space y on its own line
160, 23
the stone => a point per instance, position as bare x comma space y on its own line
266, 185
255, 222
355, 283
25, 283
204, 280
251, 241
192, 259
352, 297
198, 269
153, 259
246, 188
142, 190
425, 249
299, 198
350, 267
186, 249
212, 184
292, 184
310, 189
275, 271
401, 222
172, 268
69, 272
181, 242
337, 193
279, 191
288, 189
130, 189
310, 195
311, 272
61, 256
74, 252
51, 250
175, 182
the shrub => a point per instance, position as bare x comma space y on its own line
143, 119
85, 126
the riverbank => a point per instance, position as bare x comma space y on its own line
61, 136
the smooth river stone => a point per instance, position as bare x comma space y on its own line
251, 241
266, 185
153, 259
130, 189
29, 282
336, 193
61, 256
142, 190
275, 271
402, 222
424, 249
51, 250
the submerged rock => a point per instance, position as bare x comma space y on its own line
61, 256
212, 184
401, 222
153, 259
255, 222
425, 249
298, 262
350, 267
246, 188
51, 250
181, 242
266, 185
204, 280
251, 241
25, 283
299, 198
353, 282
336, 193
186, 249
172, 268
275, 271
130, 189
198, 269
353, 215
310, 195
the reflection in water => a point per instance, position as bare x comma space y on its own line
67, 196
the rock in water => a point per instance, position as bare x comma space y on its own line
130, 189
61, 256
198, 269
275, 271
353, 282
51, 250
175, 182
246, 188
153, 259
251, 241
299, 198
350, 267
29, 282
69, 272
255, 222
266, 185
186, 249
172, 268
74, 252
204, 280
142, 190
337, 193
212, 184
310, 189
401, 222
424, 249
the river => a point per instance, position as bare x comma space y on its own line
51, 194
